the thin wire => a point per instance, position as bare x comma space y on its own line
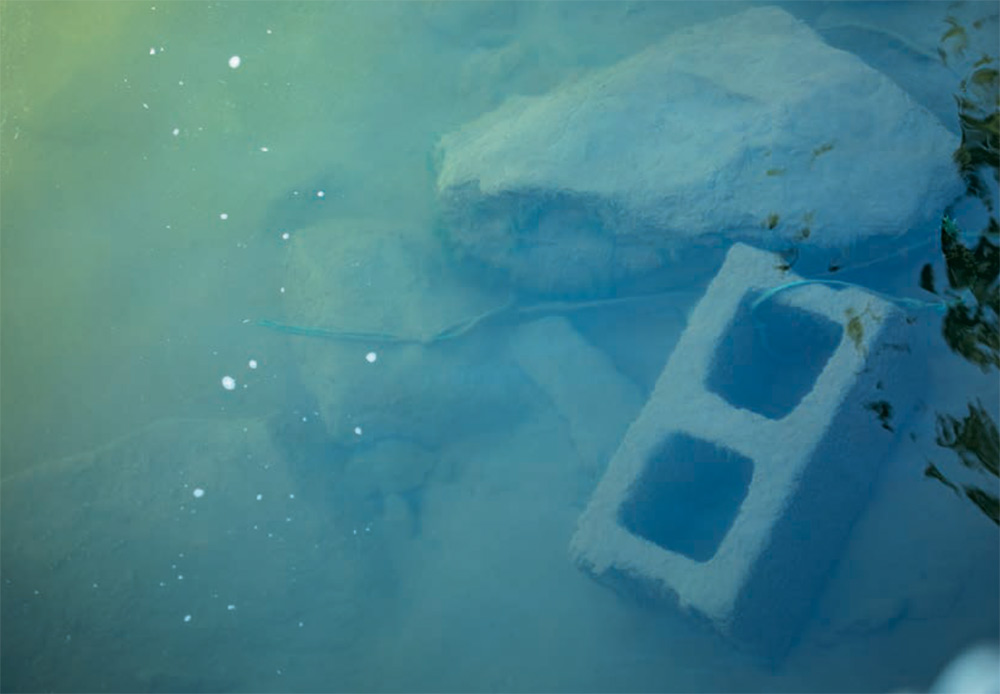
938, 306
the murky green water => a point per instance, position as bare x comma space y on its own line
385, 498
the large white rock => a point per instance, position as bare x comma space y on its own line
926, 48
750, 127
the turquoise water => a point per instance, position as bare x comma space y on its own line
386, 497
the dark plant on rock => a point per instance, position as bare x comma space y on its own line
971, 327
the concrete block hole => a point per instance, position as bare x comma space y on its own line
771, 356
687, 496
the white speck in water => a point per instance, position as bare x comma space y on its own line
234, 62
198, 492
228, 382
371, 357
285, 236
187, 618
252, 363
301, 624
175, 132
230, 607
320, 193
152, 51
146, 106
224, 216
180, 577
264, 149
291, 496
357, 431
282, 290
259, 497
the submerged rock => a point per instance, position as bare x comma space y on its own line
371, 299
747, 128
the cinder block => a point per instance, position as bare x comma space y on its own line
735, 489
